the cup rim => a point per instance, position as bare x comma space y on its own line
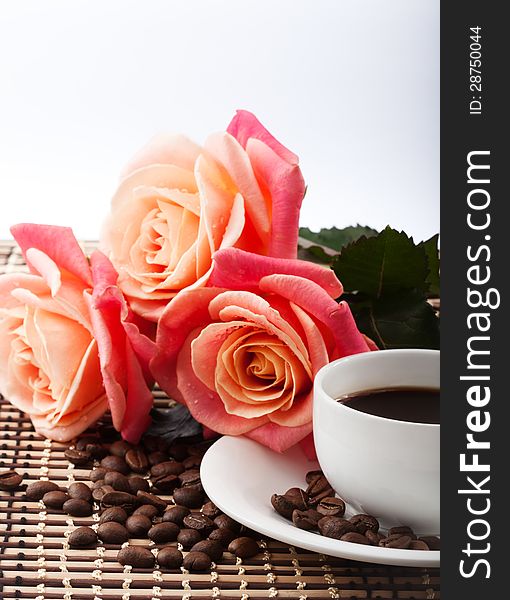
362, 356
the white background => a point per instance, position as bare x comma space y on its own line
351, 86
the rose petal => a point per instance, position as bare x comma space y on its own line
234, 159
301, 411
58, 243
337, 317
187, 311
203, 403
245, 126
239, 270
20, 395
249, 307
308, 446
128, 209
279, 438
217, 198
165, 149
139, 399
287, 188
86, 386
72, 429
58, 344
14, 281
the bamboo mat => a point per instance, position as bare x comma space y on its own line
36, 562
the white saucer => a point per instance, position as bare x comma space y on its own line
240, 476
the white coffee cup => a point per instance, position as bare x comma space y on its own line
380, 466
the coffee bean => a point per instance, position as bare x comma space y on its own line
226, 522
97, 484
77, 507
10, 480
166, 484
418, 545
138, 525
331, 507
36, 490
99, 492
403, 530
363, 523
147, 510
122, 499
120, 448
189, 537
163, 532
113, 514
223, 536
80, 490
209, 509
78, 457
433, 542
306, 519
335, 527
199, 522
96, 451
244, 547
118, 481
81, 444
82, 537
373, 538
315, 500
283, 505
136, 460
152, 499
317, 485
298, 497
112, 533
115, 463
312, 475
136, 556
55, 499
97, 474
191, 477
170, 467
157, 457
192, 497
175, 514
138, 483
355, 538
213, 549
170, 558
396, 540
196, 561
192, 462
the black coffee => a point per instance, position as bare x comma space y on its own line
417, 405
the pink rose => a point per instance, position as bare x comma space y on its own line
69, 346
178, 204
242, 355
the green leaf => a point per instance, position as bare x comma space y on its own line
432, 252
398, 321
336, 238
386, 279
389, 263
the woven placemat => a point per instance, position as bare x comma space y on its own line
36, 562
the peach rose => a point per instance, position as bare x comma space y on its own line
242, 354
178, 203
69, 347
